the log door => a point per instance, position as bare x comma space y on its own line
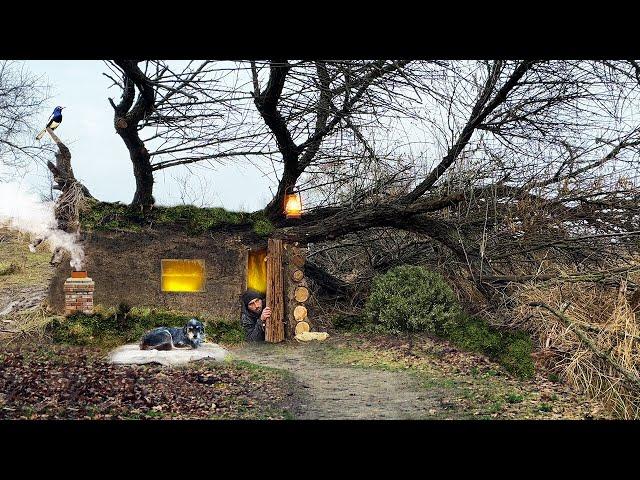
274, 327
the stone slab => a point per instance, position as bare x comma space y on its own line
131, 354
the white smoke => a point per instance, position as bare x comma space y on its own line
24, 212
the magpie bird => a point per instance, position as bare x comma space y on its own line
54, 121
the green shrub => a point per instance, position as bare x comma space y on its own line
516, 354
225, 332
511, 349
109, 328
263, 227
471, 333
413, 299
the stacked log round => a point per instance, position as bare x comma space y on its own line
302, 327
301, 293
297, 275
299, 313
297, 290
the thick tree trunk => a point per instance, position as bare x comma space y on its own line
126, 119
267, 104
142, 170
62, 171
336, 223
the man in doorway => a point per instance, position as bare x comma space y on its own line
254, 315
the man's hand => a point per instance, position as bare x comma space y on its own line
266, 313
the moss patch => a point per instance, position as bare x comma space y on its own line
510, 349
340, 355
9, 269
192, 219
108, 328
260, 372
514, 398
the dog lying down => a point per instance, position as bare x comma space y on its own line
168, 338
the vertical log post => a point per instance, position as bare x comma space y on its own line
274, 326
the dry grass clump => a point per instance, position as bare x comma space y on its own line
19, 268
9, 269
71, 202
590, 334
27, 325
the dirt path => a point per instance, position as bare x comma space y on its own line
354, 376
334, 392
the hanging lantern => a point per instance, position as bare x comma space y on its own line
293, 205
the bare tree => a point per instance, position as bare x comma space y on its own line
22, 95
183, 115
537, 156
309, 106
205, 112
127, 118
495, 161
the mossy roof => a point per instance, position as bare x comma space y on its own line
105, 216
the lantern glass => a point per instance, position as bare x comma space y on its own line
293, 205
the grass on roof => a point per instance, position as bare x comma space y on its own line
194, 220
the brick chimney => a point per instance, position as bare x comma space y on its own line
78, 293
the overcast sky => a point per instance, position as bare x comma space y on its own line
100, 159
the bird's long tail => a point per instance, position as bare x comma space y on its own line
41, 134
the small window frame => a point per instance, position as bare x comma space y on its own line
204, 275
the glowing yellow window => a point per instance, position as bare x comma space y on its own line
182, 275
257, 270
